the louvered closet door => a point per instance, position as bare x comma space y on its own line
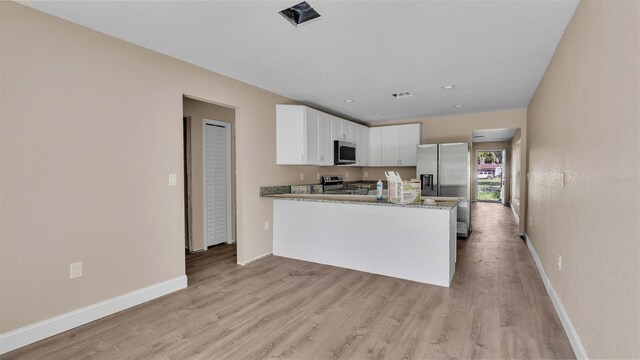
216, 205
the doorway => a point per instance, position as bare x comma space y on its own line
491, 175
217, 182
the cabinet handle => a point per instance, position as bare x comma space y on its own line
302, 156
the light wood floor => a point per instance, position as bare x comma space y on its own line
497, 307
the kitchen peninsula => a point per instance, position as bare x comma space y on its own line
412, 241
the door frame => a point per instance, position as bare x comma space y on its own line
227, 127
504, 167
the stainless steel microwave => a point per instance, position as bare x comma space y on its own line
344, 153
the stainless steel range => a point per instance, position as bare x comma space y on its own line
335, 185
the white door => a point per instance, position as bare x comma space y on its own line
217, 208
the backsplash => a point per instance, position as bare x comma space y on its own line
290, 189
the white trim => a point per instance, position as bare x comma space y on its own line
227, 127
576, 344
515, 215
255, 259
35, 332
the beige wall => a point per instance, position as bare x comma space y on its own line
198, 111
90, 128
497, 145
584, 120
377, 173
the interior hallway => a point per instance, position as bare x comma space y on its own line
497, 307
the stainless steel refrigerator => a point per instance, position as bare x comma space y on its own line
444, 170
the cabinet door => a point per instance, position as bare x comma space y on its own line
326, 139
390, 145
337, 128
290, 135
375, 146
363, 145
409, 140
313, 133
350, 131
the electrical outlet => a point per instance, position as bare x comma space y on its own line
75, 270
530, 220
317, 176
347, 175
301, 176
266, 225
173, 179
366, 174
559, 262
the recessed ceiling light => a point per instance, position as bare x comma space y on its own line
377, 115
300, 13
348, 101
448, 87
458, 106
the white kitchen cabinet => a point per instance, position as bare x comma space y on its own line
394, 145
410, 136
344, 130
326, 139
362, 153
390, 145
336, 125
299, 135
375, 146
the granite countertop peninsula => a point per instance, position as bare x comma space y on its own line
441, 204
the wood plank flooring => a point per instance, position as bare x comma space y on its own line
278, 308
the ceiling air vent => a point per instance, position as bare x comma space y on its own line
300, 14
401, 95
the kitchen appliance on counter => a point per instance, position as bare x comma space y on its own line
444, 170
344, 153
335, 185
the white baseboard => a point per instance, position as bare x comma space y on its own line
515, 215
35, 332
255, 259
576, 344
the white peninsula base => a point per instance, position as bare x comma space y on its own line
413, 243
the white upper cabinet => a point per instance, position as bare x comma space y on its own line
314, 136
306, 136
344, 130
394, 145
362, 143
291, 136
375, 146
410, 136
326, 139
390, 146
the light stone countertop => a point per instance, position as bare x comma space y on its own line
441, 204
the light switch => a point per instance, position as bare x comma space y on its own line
366, 174
173, 179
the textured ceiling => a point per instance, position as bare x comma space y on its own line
495, 52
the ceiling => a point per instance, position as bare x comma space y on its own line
493, 135
494, 52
